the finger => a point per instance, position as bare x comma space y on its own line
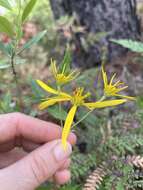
6, 147
62, 177
27, 145
17, 125
11, 157
35, 168
66, 164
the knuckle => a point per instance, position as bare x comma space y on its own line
16, 115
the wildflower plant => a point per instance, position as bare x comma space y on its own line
111, 89
12, 28
78, 97
61, 75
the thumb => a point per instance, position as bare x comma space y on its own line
37, 167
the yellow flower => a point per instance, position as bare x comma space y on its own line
62, 77
58, 96
77, 99
111, 89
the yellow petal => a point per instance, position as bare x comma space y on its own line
104, 77
51, 102
54, 68
46, 87
103, 104
74, 74
120, 89
67, 126
112, 79
126, 97
51, 90
118, 83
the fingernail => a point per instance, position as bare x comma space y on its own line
61, 154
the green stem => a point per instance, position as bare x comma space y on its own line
88, 113
102, 98
18, 90
84, 117
14, 53
13, 68
60, 106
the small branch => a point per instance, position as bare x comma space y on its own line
13, 69
88, 113
60, 106
15, 78
84, 117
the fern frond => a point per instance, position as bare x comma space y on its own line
135, 161
95, 179
82, 164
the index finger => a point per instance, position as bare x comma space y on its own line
14, 125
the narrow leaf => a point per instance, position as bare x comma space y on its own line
19, 61
4, 66
28, 9
6, 26
132, 45
34, 40
37, 92
9, 48
3, 48
6, 48
5, 4
65, 65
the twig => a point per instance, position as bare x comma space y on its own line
15, 78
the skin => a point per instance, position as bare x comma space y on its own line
31, 152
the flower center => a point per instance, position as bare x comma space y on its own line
78, 97
61, 78
110, 90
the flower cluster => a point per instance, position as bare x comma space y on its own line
78, 98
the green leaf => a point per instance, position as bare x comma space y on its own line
120, 186
9, 48
90, 120
28, 9
19, 61
5, 4
3, 48
34, 40
4, 66
132, 45
37, 91
56, 114
6, 48
42, 188
65, 65
6, 26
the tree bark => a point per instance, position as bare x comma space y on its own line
116, 17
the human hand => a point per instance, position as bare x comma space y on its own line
40, 157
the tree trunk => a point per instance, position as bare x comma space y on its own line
118, 18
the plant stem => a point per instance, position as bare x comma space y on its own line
12, 61
13, 68
60, 106
88, 113
84, 117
